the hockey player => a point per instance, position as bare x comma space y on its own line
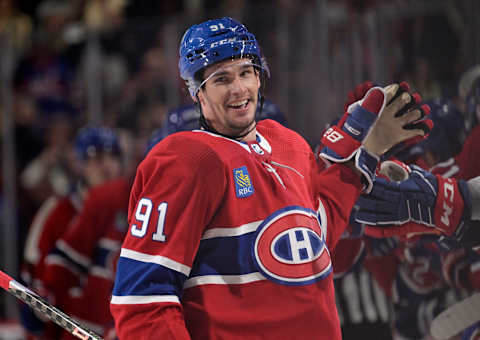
461, 267
82, 263
430, 204
81, 266
425, 274
224, 238
97, 159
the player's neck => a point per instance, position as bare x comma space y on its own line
251, 136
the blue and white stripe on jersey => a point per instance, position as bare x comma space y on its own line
238, 268
290, 241
236, 265
67, 257
139, 270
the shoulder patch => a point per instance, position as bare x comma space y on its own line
243, 183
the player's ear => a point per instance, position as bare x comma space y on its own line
200, 98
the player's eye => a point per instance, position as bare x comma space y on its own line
247, 72
221, 80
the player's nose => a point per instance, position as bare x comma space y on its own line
238, 86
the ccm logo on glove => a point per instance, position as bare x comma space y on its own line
449, 194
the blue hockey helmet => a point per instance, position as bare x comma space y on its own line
214, 41
94, 140
184, 118
448, 133
272, 111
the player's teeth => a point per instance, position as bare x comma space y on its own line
245, 102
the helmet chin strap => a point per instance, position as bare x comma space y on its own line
204, 124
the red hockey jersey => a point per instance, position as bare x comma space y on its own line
466, 164
48, 225
229, 240
82, 263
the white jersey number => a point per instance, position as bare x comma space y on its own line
143, 214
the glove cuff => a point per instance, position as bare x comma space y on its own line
448, 207
457, 238
366, 163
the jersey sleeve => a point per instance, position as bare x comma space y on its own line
174, 195
338, 188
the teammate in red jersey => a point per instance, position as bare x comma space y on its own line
81, 266
230, 225
452, 210
97, 157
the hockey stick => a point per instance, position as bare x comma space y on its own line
456, 318
40, 305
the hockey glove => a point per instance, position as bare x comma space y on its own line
399, 122
343, 142
423, 203
396, 123
357, 94
423, 123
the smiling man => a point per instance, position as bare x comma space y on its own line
231, 224
229, 97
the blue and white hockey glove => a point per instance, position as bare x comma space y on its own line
355, 97
422, 204
370, 127
342, 142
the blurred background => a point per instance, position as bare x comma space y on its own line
64, 64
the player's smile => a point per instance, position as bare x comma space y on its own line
230, 96
240, 106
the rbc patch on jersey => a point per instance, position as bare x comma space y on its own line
243, 184
289, 247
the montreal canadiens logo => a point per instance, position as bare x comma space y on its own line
289, 247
